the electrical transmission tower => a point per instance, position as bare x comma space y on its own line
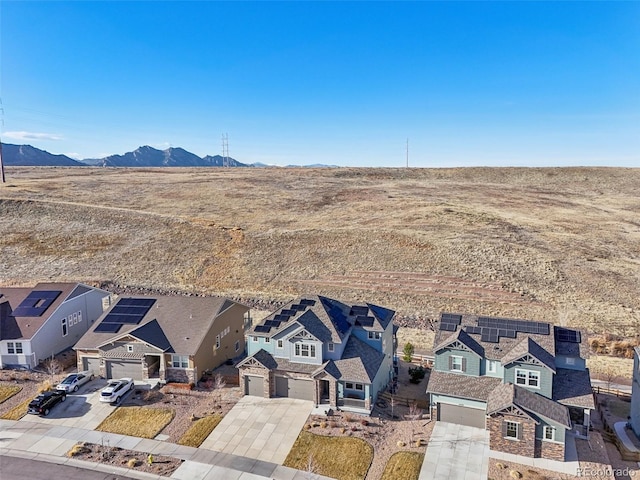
2, 177
225, 149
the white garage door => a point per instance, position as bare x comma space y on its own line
472, 417
122, 369
254, 385
295, 388
91, 364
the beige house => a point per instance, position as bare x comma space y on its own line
174, 339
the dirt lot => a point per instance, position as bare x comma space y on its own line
556, 244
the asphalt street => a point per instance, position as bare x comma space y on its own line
15, 468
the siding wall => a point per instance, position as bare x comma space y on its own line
473, 361
635, 395
546, 377
562, 361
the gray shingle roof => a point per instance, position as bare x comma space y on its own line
359, 362
508, 394
263, 357
463, 337
573, 388
152, 333
461, 386
528, 346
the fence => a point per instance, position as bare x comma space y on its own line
612, 391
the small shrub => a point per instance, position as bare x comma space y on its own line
364, 422
407, 352
307, 426
342, 430
501, 466
45, 386
349, 418
401, 443
323, 424
78, 449
416, 374
132, 463
515, 474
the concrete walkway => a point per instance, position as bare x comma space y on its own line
456, 452
263, 429
623, 435
39, 441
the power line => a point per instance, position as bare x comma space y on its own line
225, 149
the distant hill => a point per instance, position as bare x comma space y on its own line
28, 156
171, 157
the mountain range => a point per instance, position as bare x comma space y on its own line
146, 156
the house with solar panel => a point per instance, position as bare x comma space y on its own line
335, 354
174, 339
38, 322
525, 382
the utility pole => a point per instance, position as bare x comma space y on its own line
407, 152
225, 149
2, 177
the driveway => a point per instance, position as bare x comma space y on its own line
456, 452
260, 428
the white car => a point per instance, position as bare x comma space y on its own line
74, 381
116, 389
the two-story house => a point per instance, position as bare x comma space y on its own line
38, 322
323, 350
635, 393
174, 339
526, 382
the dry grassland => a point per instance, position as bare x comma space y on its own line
557, 244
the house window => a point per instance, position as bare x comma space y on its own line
549, 433
254, 339
237, 345
375, 335
359, 386
217, 341
511, 430
570, 361
75, 318
528, 378
64, 327
492, 366
129, 348
179, 361
330, 347
456, 363
79, 316
18, 347
267, 340
305, 350
354, 386
349, 385
10, 347
280, 344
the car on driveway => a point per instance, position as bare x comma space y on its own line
45, 401
115, 390
74, 381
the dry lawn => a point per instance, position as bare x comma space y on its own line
141, 422
552, 244
17, 412
610, 368
199, 431
342, 458
403, 466
6, 392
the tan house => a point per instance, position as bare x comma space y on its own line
174, 339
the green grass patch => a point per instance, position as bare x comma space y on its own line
6, 392
343, 458
403, 466
17, 412
199, 431
141, 422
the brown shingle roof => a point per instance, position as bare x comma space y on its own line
528, 346
461, 386
464, 338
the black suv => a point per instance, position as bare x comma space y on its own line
45, 401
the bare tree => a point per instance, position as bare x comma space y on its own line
311, 468
414, 414
52, 366
217, 385
604, 370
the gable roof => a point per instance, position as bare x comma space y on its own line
464, 338
528, 346
462, 386
18, 327
182, 324
508, 394
263, 357
573, 388
359, 362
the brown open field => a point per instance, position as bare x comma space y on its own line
555, 244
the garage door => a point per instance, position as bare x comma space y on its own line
473, 417
120, 369
91, 364
295, 388
254, 386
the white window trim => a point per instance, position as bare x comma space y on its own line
254, 339
300, 348
19, 349
11, 349
506, 432
280, 344
267, 340
549, 428
330, 347
570, 361
375, 335
129, 348
237, 345
529, 374
65, 327
181, 360
453, 366
217, 341
492, 366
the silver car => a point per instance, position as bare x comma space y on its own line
74, 381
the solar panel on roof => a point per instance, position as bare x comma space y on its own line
262, 329
130, 310
288, 312
298, 307
472, 329
36, 303
359, 310
136, 302
108, 327
272, 323
307, 302
281, 318
566, 335
448, 327
451, 318
365, 321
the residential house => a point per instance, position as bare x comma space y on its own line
316, 348
635, 394
526, 382
38, 322
171, 338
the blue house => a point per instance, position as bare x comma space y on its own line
323, 350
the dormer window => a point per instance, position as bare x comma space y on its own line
330, 347
528, 378
375, 335
456, 363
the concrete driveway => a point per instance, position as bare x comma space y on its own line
81, 409
260, 428
456, 452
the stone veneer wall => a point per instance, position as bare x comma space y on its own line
551, 450
258, 372
525, 446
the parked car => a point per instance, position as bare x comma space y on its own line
116, 389
74, 381
45, 401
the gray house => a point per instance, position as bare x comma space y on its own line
526, 382
635, 393
38, 322
320, 349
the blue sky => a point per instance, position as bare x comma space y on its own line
468, 83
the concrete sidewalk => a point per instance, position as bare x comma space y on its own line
35, 440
